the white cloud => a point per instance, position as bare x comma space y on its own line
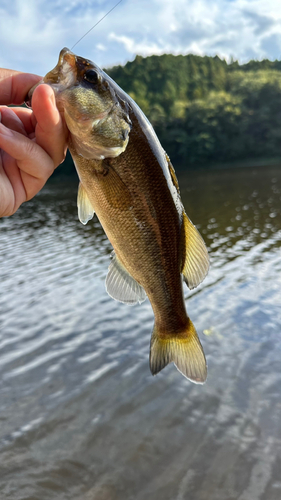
133, 47
32, 33
100, 46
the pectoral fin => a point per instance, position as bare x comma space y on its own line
120, 285
195, 259
85, 208
114, 189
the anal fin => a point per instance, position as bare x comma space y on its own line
121, 286
195, 259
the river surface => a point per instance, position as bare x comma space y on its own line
81, 417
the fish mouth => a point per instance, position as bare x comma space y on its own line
68, 73
89, 105
62, 76
64, 73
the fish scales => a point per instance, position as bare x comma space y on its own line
160, 234
127, 179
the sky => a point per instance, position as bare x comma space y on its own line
33, 32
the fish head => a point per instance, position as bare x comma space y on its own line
95, 114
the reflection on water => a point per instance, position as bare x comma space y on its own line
81, 418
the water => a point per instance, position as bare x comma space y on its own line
81, 418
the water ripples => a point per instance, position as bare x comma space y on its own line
81, 416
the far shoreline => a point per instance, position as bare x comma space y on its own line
252, 163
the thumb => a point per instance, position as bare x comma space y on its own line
51, 133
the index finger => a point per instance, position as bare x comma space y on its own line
15, 85
25, 115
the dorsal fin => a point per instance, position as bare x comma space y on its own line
195, 259
121, 286
173, 173
85, 208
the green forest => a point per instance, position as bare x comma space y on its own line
206, 111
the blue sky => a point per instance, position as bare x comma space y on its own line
33, 32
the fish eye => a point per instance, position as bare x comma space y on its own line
91, 76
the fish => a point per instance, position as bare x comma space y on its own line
128, 181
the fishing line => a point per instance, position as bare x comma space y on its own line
96, 24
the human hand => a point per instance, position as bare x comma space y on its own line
32, 142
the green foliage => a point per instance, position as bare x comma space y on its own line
164, 79
205, 110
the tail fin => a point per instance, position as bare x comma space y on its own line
184, 349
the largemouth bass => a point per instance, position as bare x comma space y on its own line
127, 179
